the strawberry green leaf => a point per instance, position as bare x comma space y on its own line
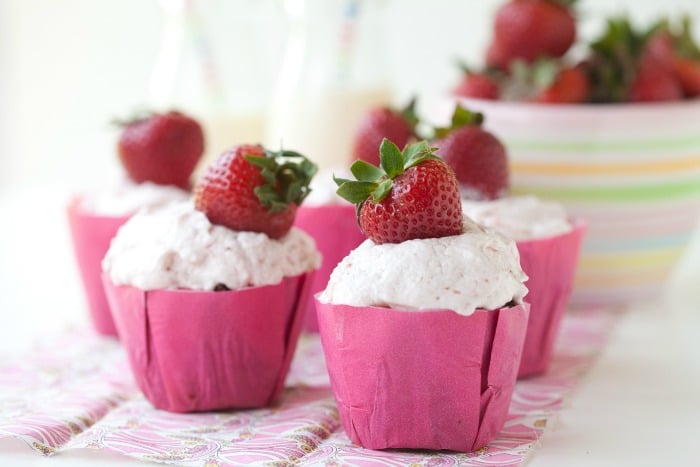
262, 162
382, 190
460, 117
544, 73
366, 172
463, 116
390, 158
286, 178
409, 114
356, 192
339, 181
416, 153
309, 168
277, 206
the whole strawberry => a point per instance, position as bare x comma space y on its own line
251, 189
161, 148
477, 157
629, 65
530, 29
477, 85
570, 86
688, 73
379, 123
653, 82
676, 49
413, 195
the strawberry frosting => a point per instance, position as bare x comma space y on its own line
476, 269
127, 197
176, 246
520, 217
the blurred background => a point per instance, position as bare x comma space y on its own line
68, 67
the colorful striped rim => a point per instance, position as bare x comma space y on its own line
655, 167
579, 146
630, 194
632, 173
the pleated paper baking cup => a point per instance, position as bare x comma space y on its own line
422, 379
91, 235
336, 233
550, 264
632, 171
194, 351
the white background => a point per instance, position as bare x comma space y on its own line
68, 66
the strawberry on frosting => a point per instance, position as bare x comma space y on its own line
413, 195
383, 122
253, 189
161, 148
478, 158
530, 29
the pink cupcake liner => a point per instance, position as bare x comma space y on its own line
422, 379
335, 230
195, 351
91, 235
550, 264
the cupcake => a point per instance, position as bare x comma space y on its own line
332, 223
158, 153
423, 324
547, 241
549, 244
207, 295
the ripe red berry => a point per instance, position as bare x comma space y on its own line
688, 74
161, 148
380, 123
654, 82
530, 29
569, 87
477, 85
250, 189
415, 195
477, 157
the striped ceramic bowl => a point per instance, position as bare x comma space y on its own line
632, 171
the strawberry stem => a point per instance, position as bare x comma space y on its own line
460, 117
287, 180
375, 182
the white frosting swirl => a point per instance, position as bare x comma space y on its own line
127, 197
519, 217
177, 247
476, 269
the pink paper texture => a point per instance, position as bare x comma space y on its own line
550, 264
335, 230
197, 351
426, 380
74, 391
91, 236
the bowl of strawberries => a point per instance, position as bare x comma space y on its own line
614, 136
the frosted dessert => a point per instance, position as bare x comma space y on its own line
94, 218
332, 223
462, 273
177, 247
549, 244
211, 289
520, 217
158, 153
126, 197
422, 325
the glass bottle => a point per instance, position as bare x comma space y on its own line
214, 64
333, 72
